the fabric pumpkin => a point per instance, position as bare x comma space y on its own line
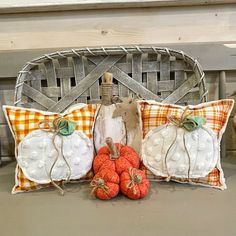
116, 157
134, 184
216, 113
105, 184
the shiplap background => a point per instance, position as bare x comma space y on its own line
200, 28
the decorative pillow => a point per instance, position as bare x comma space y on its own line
186, 156
45, 158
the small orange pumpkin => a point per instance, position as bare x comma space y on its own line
105, 184
116, 157
134, 183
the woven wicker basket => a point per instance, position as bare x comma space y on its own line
55, 81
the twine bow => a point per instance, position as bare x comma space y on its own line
99, 183
59, 126
135, 179
188, 122
62, 127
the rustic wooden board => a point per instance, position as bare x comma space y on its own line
116, 27
181, 90
137, 67
123, 90
6, 98
38, 96
65, 81
6, 141
79, 73
132, 84
5, 131
51, 76
7, 147
230, 136
15, 6
94, 89
212, 84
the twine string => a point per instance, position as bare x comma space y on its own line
135, 179
55, 128
168, 150
180, 122
99, 184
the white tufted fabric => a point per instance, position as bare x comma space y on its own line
170, 151
36, 154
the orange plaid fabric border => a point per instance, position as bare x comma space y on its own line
22, 121
217, 113
212, 179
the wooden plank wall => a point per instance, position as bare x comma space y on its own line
198, 24
14, 6
6, 97
231, 131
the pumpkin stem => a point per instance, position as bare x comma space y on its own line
107, 89
114, 152
99, 182
137, 178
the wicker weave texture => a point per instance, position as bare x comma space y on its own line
57, 80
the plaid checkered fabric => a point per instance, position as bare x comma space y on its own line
22, 121
217, 113
213, 179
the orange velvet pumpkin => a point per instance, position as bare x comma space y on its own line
105, 184
134, 184
115, 157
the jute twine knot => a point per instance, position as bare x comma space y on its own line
187, 121
135, 179
181, 121
99, 184
59, 126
